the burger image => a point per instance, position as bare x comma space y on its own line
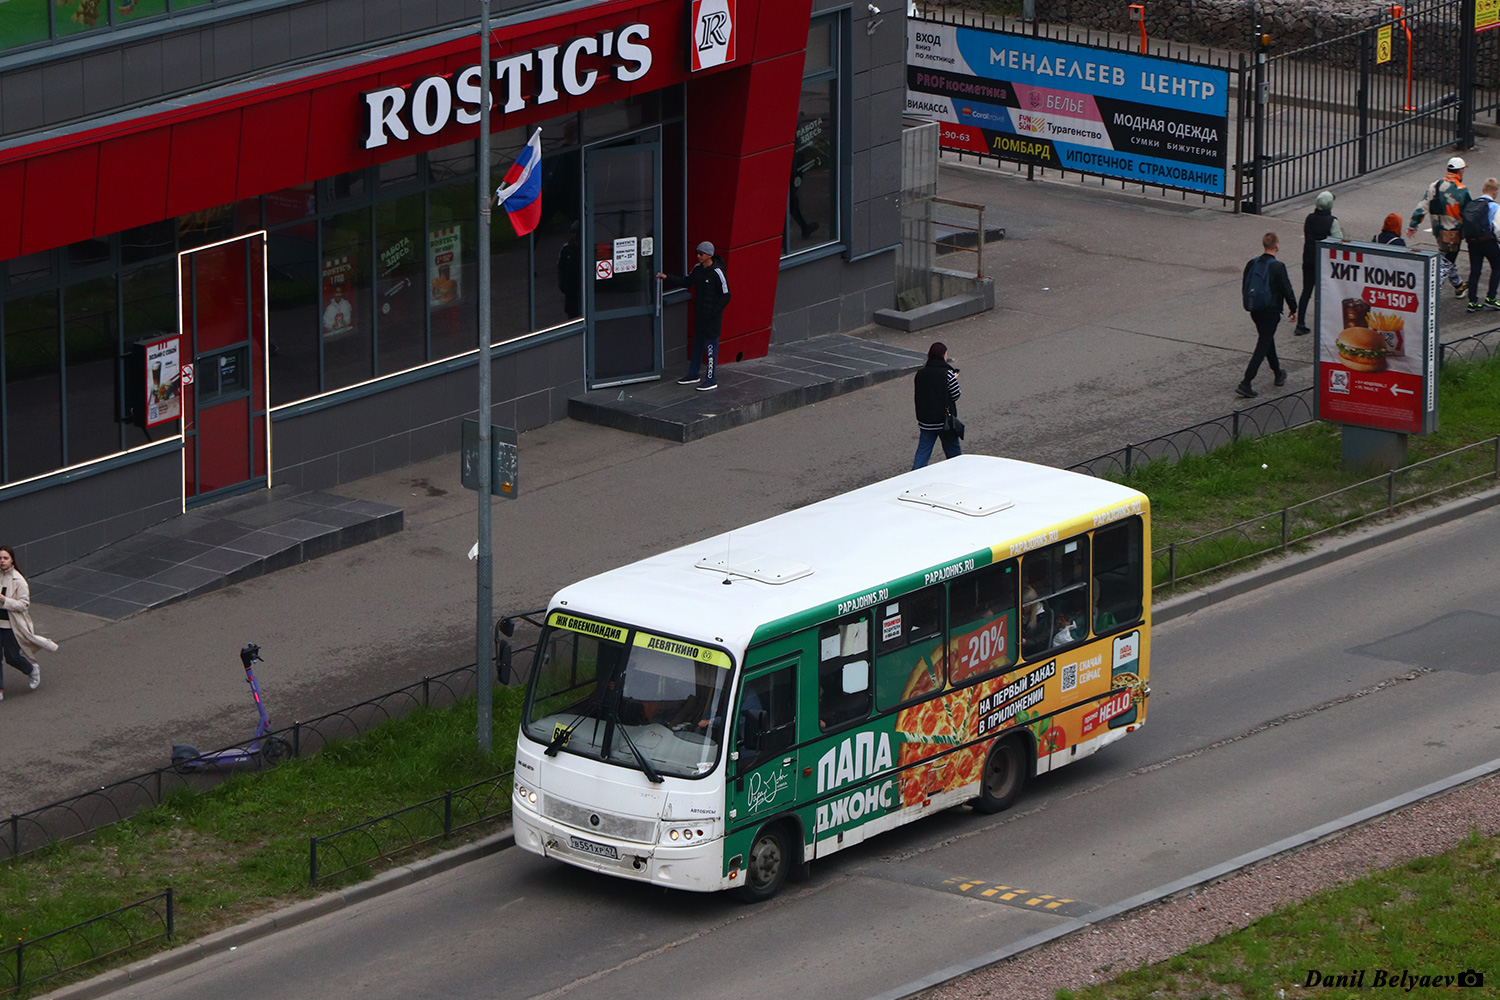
1361, 349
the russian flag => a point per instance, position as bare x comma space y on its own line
521, 191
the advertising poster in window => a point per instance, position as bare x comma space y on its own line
1376, 327
338, 292
444, 263
163, 381
1074, 107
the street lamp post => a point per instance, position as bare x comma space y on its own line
483, 592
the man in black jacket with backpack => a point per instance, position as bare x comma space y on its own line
1265, 286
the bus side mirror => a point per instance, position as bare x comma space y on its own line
502, 662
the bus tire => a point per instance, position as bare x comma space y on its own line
767, 863
1004, 775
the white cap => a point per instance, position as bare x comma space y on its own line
1457, 163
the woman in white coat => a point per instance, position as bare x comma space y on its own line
18, 639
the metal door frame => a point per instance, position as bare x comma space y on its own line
634, 143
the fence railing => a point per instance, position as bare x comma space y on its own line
82, 814
410, 828
1381, 497
52, 955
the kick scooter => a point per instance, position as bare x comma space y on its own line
271, 749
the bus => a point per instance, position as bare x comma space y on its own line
719, 716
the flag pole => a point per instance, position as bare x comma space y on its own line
483, 592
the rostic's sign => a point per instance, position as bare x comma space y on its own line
1376, 326
539, 76
712, 36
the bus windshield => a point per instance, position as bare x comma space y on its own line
628, 697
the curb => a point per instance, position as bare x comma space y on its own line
1176, 607
298, 913
1323, 554
1217, 872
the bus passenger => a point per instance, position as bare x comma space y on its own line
1034, 631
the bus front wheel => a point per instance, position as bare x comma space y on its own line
1004, 775
769, 860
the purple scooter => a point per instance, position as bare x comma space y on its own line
271, 749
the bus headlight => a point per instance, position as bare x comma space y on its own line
525, 794
685, 834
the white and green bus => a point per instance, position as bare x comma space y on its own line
718, 716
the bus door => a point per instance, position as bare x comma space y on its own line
765, 732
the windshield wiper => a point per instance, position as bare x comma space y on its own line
562, 734
619, 727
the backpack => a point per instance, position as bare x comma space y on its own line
1476, 220
1257, 289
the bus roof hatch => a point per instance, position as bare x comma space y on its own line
757, 566
961, 499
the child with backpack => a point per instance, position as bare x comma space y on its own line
1264, 287
1477, 223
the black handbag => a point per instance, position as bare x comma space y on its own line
953, 425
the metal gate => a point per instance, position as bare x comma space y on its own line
1393, 90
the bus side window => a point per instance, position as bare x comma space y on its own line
983, 631
909, 649
1117, 569
767, 717
1055, 601
843, 671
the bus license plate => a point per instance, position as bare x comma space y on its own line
589, 847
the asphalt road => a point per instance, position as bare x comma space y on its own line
1272, 713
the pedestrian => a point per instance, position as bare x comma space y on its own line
710, 296
1445, 199
1391, 232
935, 392
1321, 224
1264, 287
1479, 232
18, 639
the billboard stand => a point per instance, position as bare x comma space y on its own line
1376, 326
1374, 450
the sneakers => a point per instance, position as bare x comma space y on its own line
1461, 289
1492, 303
687, 380
1301, 331
1281, 378
1244, 391
1475, 307
706, 388
36, 676
2, 694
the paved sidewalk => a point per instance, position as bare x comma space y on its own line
1117, 319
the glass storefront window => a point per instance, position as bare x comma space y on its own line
25, 22
452, 214
208, 226
88, 253
149, 297
345, 300
294, 297
453, 161
33, 387
400, 280
290, 204
559, 250
33, 267
396, 173
813, 194
148, 242
91, 356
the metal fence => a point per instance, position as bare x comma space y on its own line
1331, 111
81, 814
381, 838
105, 936
1220, 550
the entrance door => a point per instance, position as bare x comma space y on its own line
623, 216
226, 433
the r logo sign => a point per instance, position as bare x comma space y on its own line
712, 36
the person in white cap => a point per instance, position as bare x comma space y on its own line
710, 296
1445, 199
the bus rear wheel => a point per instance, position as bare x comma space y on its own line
1004, 775
769, 859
